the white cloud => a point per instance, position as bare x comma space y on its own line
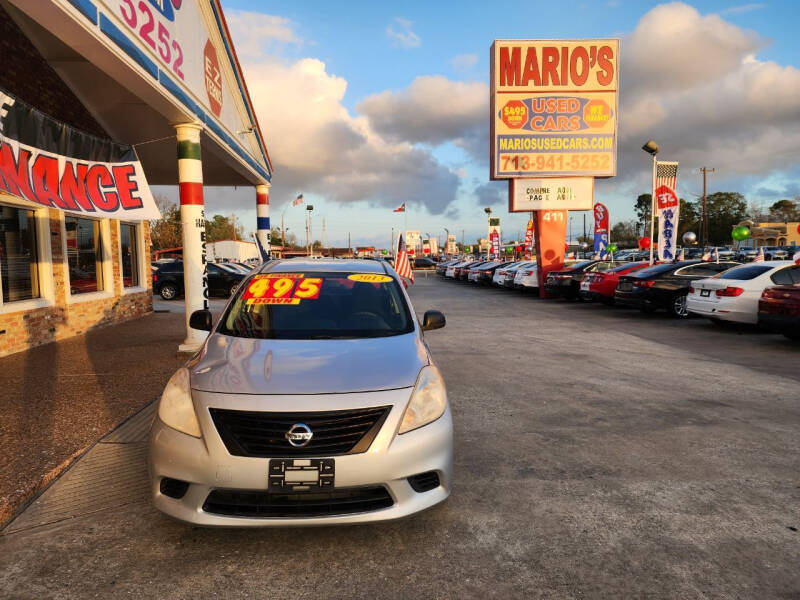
433, 110
318, 147
257, 33
464, 62
402, 35
692, 82
743, 8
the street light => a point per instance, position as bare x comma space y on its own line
652, 149
309, 208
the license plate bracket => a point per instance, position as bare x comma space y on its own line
300, 474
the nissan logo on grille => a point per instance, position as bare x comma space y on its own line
299, 435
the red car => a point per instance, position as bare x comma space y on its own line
600, 286
779, 310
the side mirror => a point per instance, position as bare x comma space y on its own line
201, 319
433, 319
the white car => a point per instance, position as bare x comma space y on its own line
734, 294
528, 277
451, 269
499, 276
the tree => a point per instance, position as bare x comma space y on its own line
643, 206
689, 219
624, 233
784, 210
166, 232
220, 227
724, 211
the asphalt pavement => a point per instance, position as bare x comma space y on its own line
600, 453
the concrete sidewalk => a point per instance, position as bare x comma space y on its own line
59, 399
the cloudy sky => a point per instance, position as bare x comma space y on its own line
366, 105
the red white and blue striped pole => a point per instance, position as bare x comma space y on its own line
262, 215
190, 182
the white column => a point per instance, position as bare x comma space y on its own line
190, 181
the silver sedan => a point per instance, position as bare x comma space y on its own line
313, 401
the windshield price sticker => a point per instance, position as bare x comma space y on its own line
284, 288
369, 278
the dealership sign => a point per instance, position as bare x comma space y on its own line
554, 108
568, 193
51, 164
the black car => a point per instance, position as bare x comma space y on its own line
485, 273
463, 273
168, 280
567, 282
665, 285
424, 263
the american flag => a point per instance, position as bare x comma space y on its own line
666, 174
401, 264
298, 200
401, 208
760, 256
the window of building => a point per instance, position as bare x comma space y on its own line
19, 271
84, 255
130, 254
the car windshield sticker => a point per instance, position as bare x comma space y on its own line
283, 288
369, 278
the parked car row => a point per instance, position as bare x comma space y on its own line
223, 278
766, 293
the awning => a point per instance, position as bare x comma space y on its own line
49, 163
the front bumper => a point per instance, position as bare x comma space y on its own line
207, 465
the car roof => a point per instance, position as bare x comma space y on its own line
324, 265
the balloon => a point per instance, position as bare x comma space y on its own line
644, 243
690, 237
740, 233
566, 246
612, 247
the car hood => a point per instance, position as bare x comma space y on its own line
252, 366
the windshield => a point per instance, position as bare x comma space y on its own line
308, 306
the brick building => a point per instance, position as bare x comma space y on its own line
86, 69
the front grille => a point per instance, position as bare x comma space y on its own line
424, 482
235, 503
262, 434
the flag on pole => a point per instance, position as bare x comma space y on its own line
298, 200
706, 257
668, 209
760, 256
401, 264
401, 208
682, 255
796, 258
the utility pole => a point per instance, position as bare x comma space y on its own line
323, 233
349, 247
392, 246
704, 218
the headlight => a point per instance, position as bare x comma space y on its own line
176, 409
428, 401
